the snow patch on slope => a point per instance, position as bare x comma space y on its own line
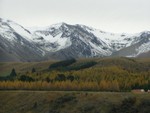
97, 49
143, 48
58, 41
115, 41
7, 29
22, 31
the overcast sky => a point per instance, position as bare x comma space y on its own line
109, 15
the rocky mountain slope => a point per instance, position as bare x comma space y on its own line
63, 41
16, 43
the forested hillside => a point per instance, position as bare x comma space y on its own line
105, 74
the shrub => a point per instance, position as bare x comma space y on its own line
82, 65
127, 106
26, 78
62, 64
64, 99
60, 77
33, 70
70, 77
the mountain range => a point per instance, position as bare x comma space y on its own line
63, 41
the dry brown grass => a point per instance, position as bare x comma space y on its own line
45, 101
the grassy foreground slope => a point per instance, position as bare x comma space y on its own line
73, 102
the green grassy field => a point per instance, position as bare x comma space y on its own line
71, 102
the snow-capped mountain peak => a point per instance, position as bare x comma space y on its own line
61, 41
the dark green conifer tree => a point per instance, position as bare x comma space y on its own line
33, 70
13, 73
